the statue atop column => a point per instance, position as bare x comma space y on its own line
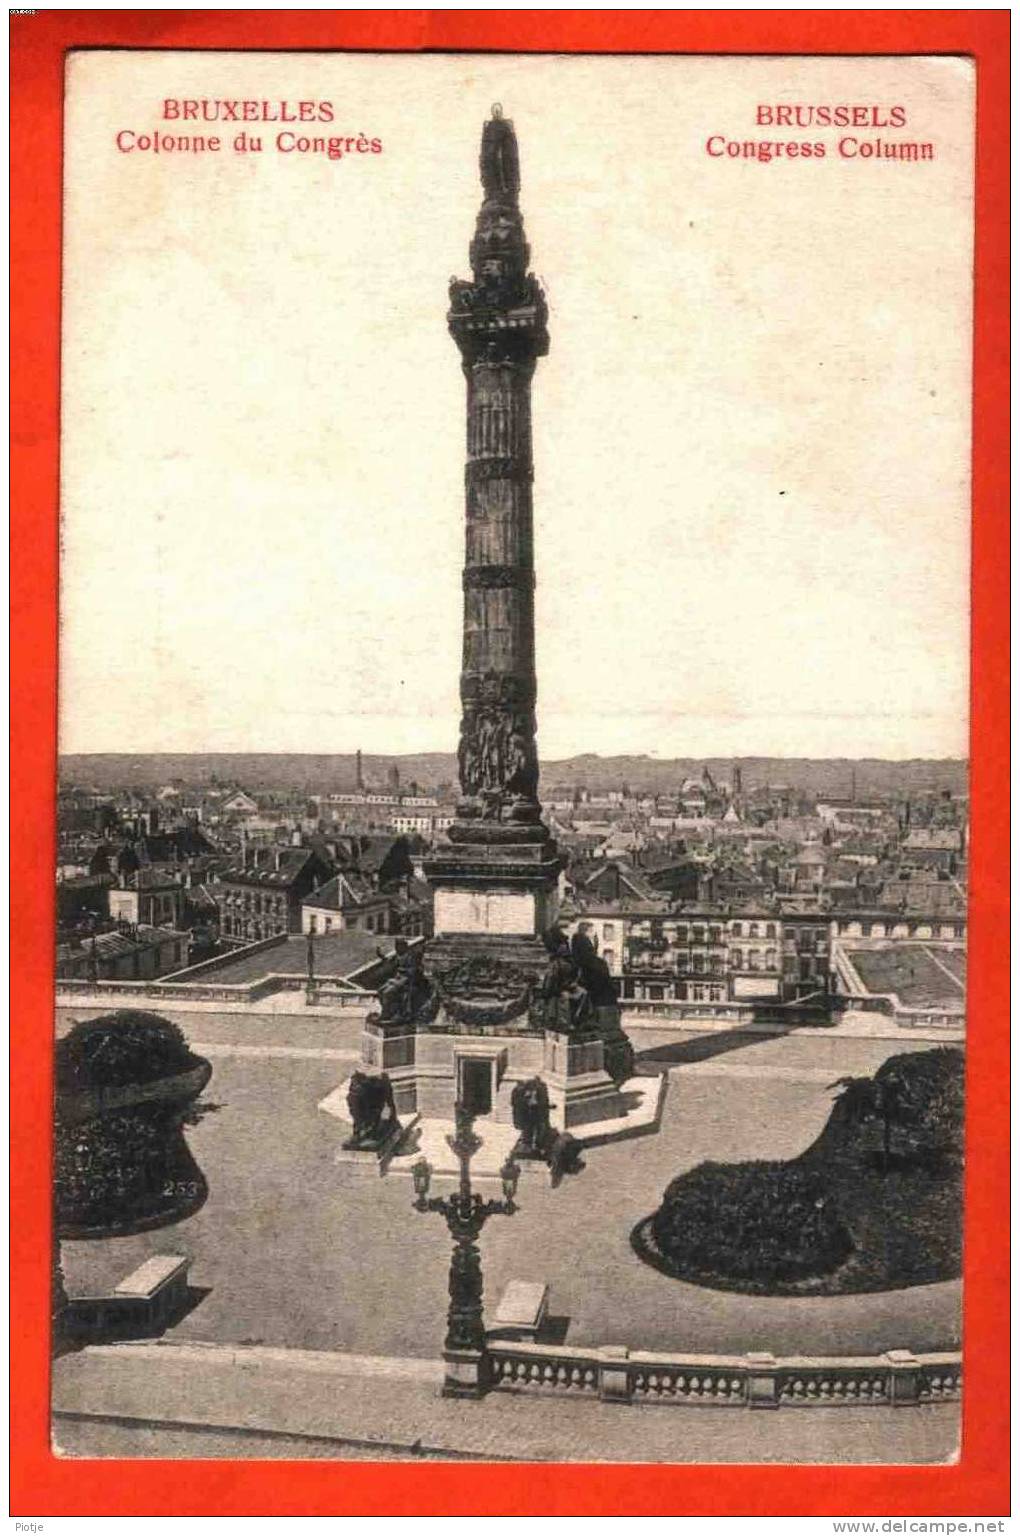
500, 165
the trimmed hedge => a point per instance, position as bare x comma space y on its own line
932, 1084
125, 1172
128, 1046
875, 1203
752, 1221
125, 1168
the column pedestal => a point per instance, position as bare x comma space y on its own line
487, 891
392, 1048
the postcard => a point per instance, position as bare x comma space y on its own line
513, 829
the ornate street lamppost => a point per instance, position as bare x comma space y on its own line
466, 1214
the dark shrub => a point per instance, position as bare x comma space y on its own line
125, 1170
751, 1221
120, 1048
931, 1087
125, 1166
886, 1168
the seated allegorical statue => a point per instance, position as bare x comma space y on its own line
594, 973
408, 996
601, 988
563, 1002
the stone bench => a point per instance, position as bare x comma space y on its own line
144, 1303
522, 1310
159, 1287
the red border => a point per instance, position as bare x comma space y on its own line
42, 1485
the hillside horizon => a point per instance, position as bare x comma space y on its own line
335, 771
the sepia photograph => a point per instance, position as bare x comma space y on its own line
395, 1063
513, 788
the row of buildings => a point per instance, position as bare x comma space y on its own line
664, 953
141, 907
755, 899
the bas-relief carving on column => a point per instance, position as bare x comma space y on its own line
498, 763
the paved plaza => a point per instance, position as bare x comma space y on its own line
293, 1250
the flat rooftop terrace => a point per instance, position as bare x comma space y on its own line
920, 974
336, 954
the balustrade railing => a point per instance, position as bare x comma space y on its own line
551, 1370
685, 1009
757, 1380
832, 1384
335, 994
693, 1382
939, 1377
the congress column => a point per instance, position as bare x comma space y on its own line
499, 321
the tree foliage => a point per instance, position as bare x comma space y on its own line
120, 1172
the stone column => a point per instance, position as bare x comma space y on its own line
498, 321
498, 674
498, 875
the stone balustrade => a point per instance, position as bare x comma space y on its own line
613, 1373
681, 1011
137, 993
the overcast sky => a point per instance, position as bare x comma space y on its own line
751, 431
